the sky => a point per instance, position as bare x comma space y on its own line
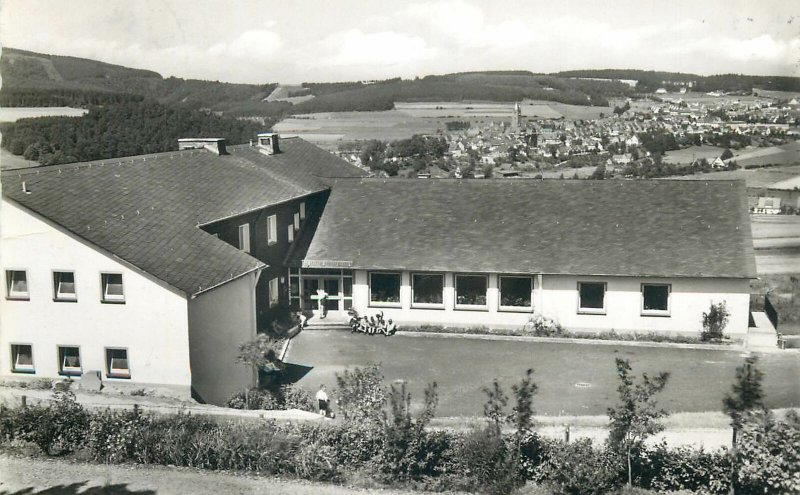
262, 41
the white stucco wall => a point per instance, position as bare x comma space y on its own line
556, 297
152, 323
219, 321
689, 298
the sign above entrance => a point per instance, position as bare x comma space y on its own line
327, 264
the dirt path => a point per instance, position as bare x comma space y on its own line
29, 476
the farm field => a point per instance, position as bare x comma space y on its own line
9, 160
407, 119
573, 379
13, 114
760, 177
688, 155
776, 239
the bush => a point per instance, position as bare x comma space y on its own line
578, 468
768, 454
58, 428
361, 394
664, 470
714, 322
255, 399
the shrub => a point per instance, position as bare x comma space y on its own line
578, 468
768, 454
317, 461
58, 428
116, 436
255, 399
293, 397
714, 322
361, 394
663, 470
542, 326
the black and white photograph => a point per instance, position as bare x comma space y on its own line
340, 247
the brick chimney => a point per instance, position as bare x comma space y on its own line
269, 143
217, 145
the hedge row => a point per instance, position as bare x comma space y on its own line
398, 450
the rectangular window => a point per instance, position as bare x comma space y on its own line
302, 211
290, 232
117, 363
274, 292
592, 297
471, 290
69, 360
272, 229
515, 292
112, 287
22, 358
17, 284
655, 299
244, 237
296, 221
427, 289
64, 286
384, 288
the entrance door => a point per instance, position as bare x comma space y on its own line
331, 286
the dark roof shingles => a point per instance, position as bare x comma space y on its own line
146, 210
635, 228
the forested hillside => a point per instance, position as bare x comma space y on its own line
649, 81
124, 129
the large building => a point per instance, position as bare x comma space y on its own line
153, 269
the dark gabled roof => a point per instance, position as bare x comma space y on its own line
660, 228
147, 210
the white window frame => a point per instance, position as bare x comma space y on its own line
303, 210
64, 296
111, 298
470, 307
109, 369
523, 309
21, 368
417, 305
244, 237
63, 369
593, 311
385, 304
296, 221
274, 291
290, 232
17, 295
272, 230
656, 312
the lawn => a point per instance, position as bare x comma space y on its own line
573, 379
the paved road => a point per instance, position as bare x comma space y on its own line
41, 476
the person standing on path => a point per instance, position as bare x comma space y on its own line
322, 401
323, 303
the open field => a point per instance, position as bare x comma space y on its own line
9, 160
788, 154
757, 177
776, 239
13, 114
577, 379
688, 155
407, 119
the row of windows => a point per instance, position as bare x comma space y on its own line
64, 289
427, 290
69, 361
272, 229
655, 298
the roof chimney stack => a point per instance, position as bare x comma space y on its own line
216, 145
269, 143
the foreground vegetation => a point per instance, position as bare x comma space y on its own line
385, 438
